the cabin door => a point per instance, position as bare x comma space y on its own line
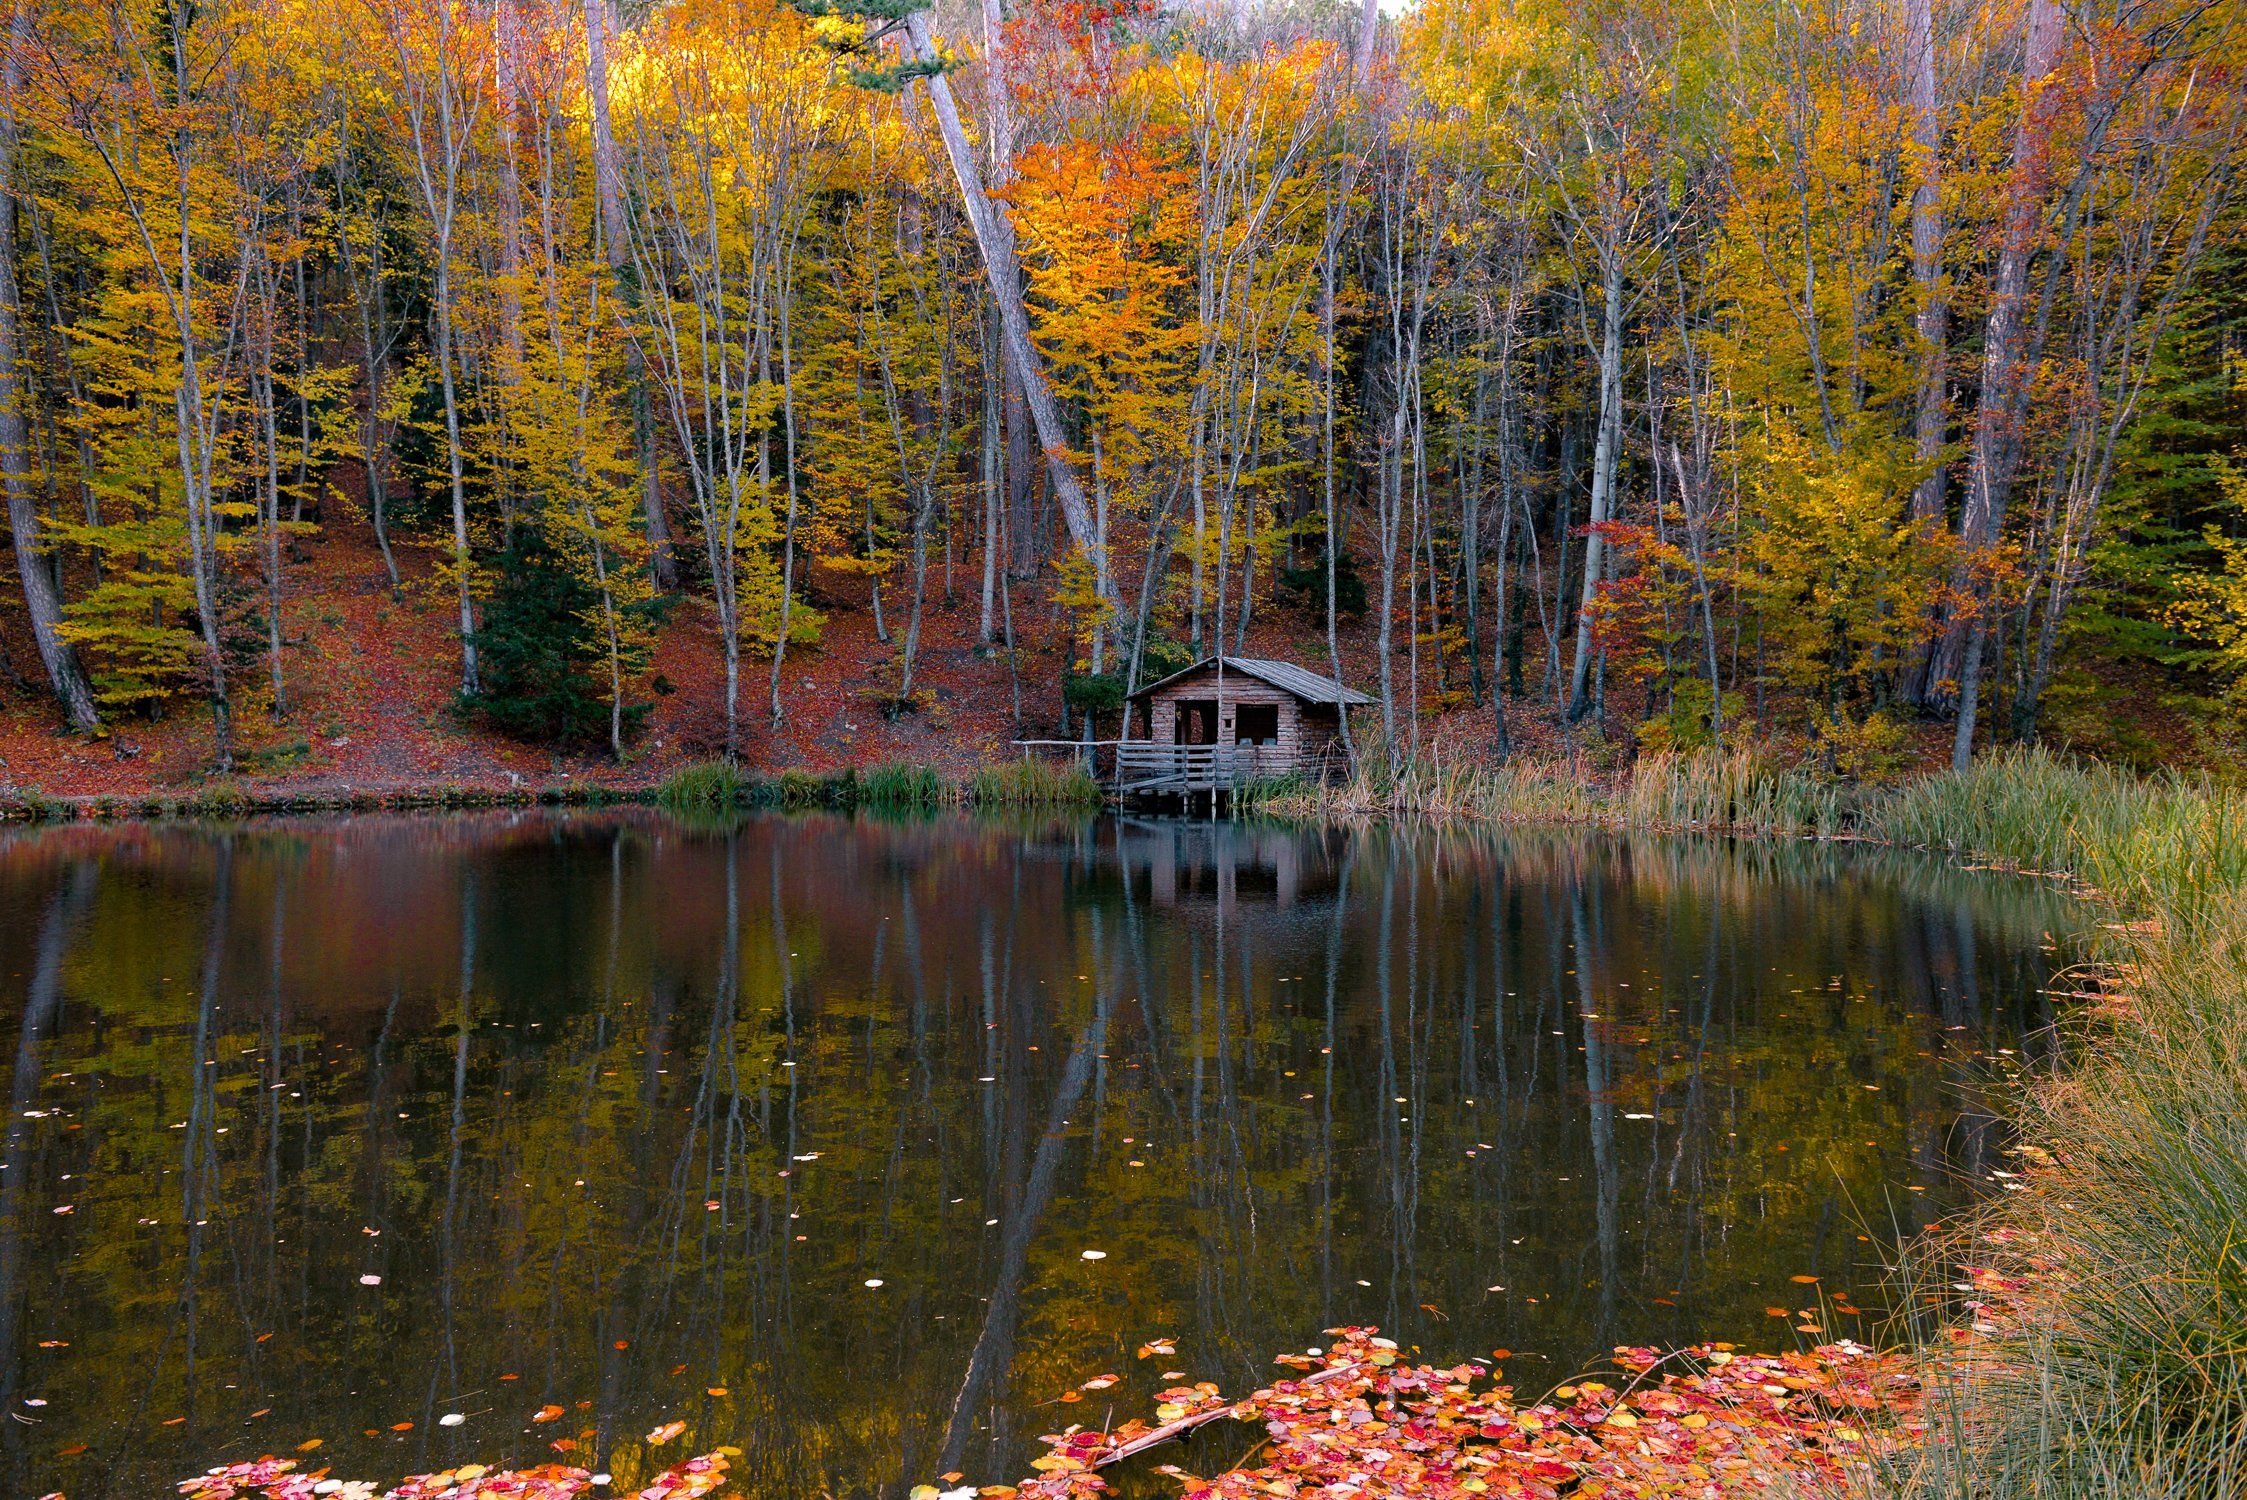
1197, 721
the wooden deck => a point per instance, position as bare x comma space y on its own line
1144, 768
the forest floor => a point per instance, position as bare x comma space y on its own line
371, 681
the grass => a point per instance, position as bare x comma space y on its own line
900, 786
1033, 783
704, 786
2122, 1369
895, 786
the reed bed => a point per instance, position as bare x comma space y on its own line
1033, 783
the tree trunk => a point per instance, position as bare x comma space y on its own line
608, 190
2006, 365
41, 600
1932, 319
994, 237
1603, 480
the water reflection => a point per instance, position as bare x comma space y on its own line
799, 1130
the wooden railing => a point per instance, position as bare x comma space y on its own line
1144, 764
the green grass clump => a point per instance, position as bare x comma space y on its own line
900, 785
703, 786
1033, 783
34, 806
220, 799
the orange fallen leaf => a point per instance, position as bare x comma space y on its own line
546, 1413
716, 1390
665, 1433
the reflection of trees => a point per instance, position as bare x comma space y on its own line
566, 1066
42, 1006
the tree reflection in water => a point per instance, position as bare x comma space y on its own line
629, 1116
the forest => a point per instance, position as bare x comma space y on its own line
1857, 376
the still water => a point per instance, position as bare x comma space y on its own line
857, 1143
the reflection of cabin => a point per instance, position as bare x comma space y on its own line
1175, 863
1226, 720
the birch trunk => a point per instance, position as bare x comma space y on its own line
1603, 480
2006, 365
41, 599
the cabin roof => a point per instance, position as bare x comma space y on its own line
1301, 682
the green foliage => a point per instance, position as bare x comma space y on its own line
1033, 783
221, 799
1093, 692
801, 788
1305, 588
899, 785
33, 806
850, 29
540, 652
705, 785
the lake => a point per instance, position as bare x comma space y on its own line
858, 1143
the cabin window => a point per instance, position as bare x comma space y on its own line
1257, 723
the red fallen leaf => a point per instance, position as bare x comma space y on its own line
72, 1451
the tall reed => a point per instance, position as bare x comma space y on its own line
1033, 783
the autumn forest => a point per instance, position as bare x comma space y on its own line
1861, 376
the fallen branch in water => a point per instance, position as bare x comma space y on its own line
1184, 1425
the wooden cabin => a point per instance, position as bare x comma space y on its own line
1225, 720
